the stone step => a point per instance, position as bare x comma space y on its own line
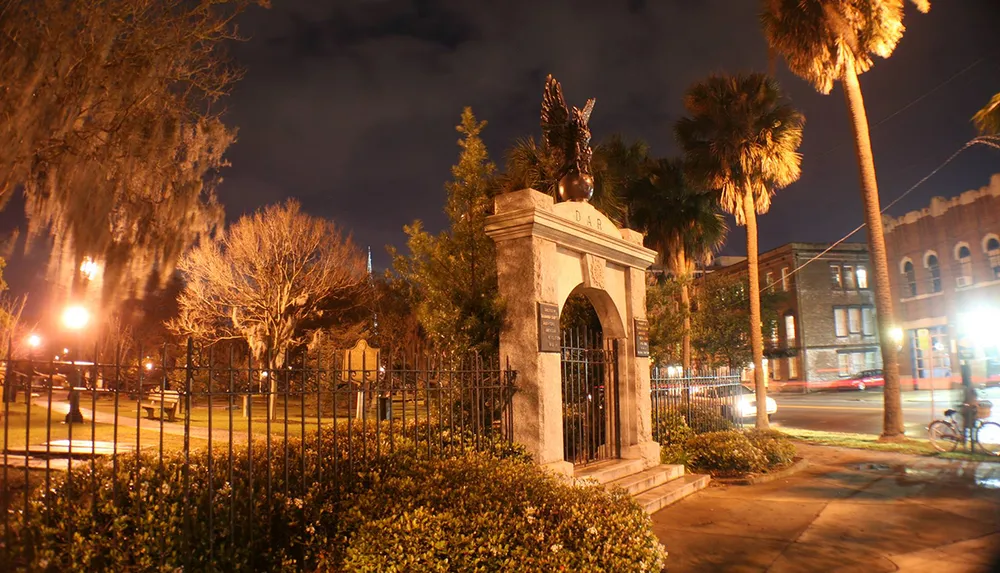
604, 472
675, 490
648, 479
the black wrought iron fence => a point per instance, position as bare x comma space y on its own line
248, 436
704, 401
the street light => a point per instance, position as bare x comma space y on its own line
75, 317
34, 341
896, 335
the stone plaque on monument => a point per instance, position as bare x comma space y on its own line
641, 338
548, 328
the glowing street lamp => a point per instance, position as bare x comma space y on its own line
896, 336
75, 317
34, 341
149, 366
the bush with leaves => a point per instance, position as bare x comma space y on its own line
477, 513
332, 501
778, 450
725, 454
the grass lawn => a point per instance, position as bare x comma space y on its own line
914, 446
18, 430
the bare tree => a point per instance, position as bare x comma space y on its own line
276, 279
110, 122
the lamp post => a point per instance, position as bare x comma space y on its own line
75, 318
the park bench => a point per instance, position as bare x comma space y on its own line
162, 403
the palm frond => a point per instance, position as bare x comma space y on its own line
740, 134
987, 120
675, 216
818, 39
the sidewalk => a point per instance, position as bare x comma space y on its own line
850, 510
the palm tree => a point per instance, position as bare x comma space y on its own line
987, 120
615, 164
823, 41
681, 223
741, 138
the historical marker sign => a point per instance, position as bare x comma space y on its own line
641, 338
548, 328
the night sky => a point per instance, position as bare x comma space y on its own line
350, 106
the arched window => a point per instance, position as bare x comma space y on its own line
992, 248
963, 266
931, 263
909, 279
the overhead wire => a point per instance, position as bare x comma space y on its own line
988, 140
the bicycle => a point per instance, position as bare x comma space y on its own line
945, 435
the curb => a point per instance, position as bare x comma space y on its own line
799, 465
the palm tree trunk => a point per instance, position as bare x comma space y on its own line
892, 421
756, 337
685, 278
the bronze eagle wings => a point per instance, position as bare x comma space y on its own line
565, 132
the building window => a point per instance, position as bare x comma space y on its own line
844, 364
793, 368
963, 256
840, 320
835, 281
862, 275
854, 319
849, 278
790, 330
929, 352
931, 262
993, 252
910, 278
868, 320
769, 281
871, 360
774, 333
784, 279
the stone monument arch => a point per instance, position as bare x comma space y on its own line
546, 252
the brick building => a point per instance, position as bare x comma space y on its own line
826, 327
944, 262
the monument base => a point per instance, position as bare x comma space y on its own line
648, 452
561, 467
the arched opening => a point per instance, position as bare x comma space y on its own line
589, 379
963, 265
909, 278
932, 265
992, 247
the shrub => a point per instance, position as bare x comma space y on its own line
778, 450
670, 427
477, 513
362, 500
725, 454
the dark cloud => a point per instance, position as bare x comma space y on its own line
350, 106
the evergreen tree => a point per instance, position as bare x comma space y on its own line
454, 274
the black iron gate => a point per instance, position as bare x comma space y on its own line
589, 397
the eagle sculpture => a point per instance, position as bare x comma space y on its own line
566, 137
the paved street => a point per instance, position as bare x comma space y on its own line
849, 510
861, 412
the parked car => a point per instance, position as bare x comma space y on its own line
861, 381
739, 402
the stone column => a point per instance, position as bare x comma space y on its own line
524, 281
545, 251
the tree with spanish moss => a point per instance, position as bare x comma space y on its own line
825, 41
741, 137
111, 124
